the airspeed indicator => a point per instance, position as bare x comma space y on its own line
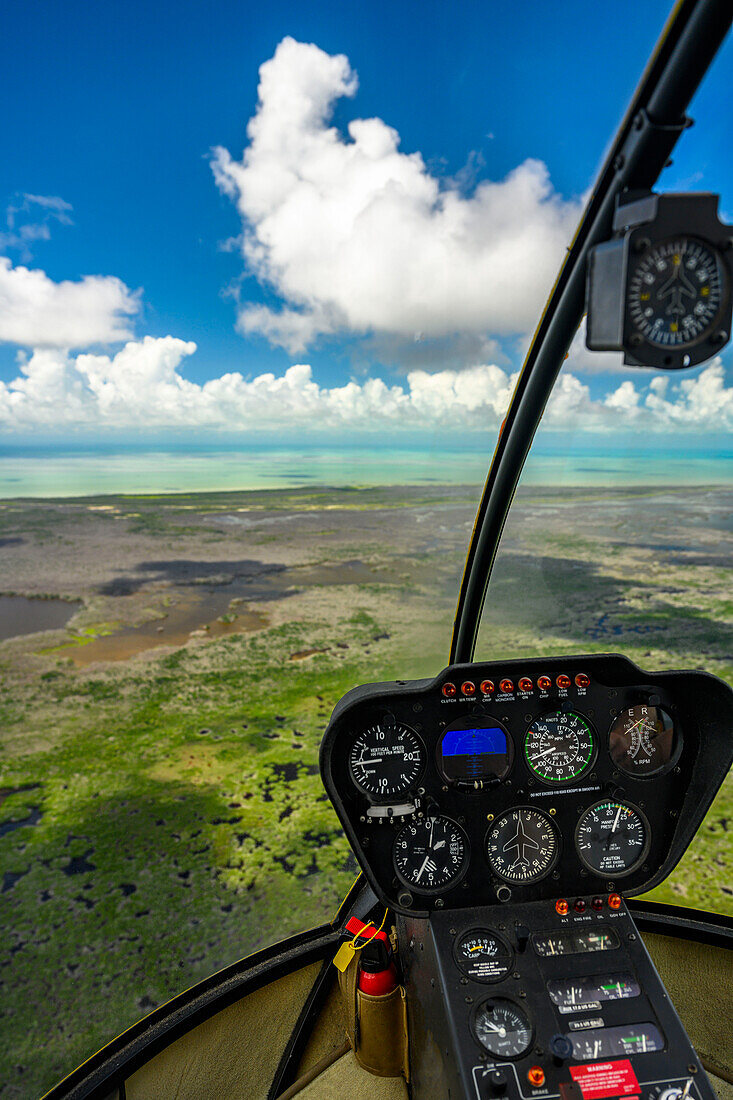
560, 747
386, 760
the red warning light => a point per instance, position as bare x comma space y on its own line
614, 901
562, 907
579, 905
563, 681
525, 684
468, 687
506, 686
487, 687
544, 683
449, 690
597, 904
582, 680
536, 1076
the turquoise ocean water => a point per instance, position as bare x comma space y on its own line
64, 472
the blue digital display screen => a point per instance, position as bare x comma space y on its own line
474, 754
474, 742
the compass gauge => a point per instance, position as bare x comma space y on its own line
522, 846
431, 854
676, 291
560, 747
386, 760
612, 839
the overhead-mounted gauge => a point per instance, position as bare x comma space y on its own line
643, 741
475, 751
560, 747
612, 838
386, 760
502, 1028
431, 854
660, 291
522, 845
483, 955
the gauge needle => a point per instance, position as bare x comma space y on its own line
500, 1031
545, 753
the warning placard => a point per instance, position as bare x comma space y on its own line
603, 1079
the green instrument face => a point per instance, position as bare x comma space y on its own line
559, 747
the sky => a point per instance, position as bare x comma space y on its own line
226, 221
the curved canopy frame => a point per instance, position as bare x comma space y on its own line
648, 133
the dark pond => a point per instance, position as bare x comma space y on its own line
23, 615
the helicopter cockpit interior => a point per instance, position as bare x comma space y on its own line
502, 813
507, 814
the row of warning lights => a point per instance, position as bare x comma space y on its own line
506, 687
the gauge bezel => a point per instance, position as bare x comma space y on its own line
594, 738
611, 876
551, 865
460, 962
678, 741
465, 786
520, 1009
431, 891
380, 799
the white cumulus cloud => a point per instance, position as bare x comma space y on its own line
37, 312
142, 387
356, 236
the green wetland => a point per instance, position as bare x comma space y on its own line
161, 812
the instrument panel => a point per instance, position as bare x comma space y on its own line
525, 779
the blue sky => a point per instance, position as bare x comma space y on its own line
115, 110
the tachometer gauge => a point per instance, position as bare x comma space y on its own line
483, 955
643, 741
502, 1028
560, 746
612, 839
675, 292
522, 845
431, 854
386, 760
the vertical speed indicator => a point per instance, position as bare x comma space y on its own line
386, 760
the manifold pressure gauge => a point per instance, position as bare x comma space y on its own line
612, 838
660, 291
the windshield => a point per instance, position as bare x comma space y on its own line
259, 325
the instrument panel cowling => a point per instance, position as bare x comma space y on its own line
476, 818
